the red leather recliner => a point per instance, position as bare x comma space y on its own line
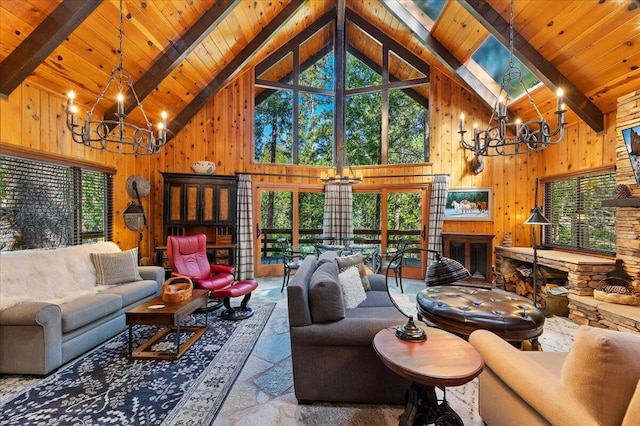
188, 257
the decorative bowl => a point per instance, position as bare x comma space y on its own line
203, 167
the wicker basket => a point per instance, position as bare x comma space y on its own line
176, 289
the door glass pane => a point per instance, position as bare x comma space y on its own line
310, 215
276, 219
366, 218
404, 222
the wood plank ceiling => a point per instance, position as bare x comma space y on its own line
181, 52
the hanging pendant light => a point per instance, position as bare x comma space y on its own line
116, 135
511, 137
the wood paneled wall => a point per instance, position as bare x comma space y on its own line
33, 118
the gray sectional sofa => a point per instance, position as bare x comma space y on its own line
51, 309
332, 350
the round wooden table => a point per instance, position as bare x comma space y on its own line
444, 359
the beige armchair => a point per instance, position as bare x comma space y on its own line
596, 383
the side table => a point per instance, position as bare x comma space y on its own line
443, 360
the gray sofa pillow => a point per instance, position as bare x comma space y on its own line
325, 296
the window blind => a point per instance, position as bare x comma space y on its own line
46, 205
578, 220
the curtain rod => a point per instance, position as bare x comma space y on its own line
364, 177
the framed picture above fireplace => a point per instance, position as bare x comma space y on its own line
631, 138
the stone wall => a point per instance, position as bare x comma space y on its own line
628, 218
586, 310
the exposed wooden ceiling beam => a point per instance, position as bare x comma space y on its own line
175, 54
42, 41
234, 66
442, 53
536, 63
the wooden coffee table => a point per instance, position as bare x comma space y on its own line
444, 359
170, 315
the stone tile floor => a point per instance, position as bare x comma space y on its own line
263, 393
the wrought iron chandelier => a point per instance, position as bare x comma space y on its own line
117, 135
504, 137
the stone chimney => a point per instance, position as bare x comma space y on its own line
628, 213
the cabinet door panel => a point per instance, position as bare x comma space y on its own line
191, 203
175, 204
224, 210
479, 254
208, 204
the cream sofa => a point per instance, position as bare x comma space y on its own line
596, 383
52, 310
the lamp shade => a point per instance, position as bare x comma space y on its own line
537, 218
445, 271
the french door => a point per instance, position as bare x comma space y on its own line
405, 214
383, 217
284, 212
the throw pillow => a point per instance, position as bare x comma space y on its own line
601, 371
356, 260
116, 268
352, 291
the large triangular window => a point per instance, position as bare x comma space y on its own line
385, 103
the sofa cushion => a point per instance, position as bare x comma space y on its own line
86, 309
352, 292
134, 291
376, 299
356, 260
116, 268
602, 371
325, 295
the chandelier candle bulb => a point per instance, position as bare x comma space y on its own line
502, 107
560, 94
462, 122
120, 104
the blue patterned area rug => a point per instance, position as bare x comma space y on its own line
106, 388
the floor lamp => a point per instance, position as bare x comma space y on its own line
536, 218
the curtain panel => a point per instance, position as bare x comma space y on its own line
439, 189
244, 244
338, 212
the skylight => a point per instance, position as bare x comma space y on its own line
493, 57
431, 7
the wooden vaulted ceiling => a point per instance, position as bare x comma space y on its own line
181, 52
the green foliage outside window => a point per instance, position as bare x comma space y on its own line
577, 217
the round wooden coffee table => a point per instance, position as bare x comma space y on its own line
444, 359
